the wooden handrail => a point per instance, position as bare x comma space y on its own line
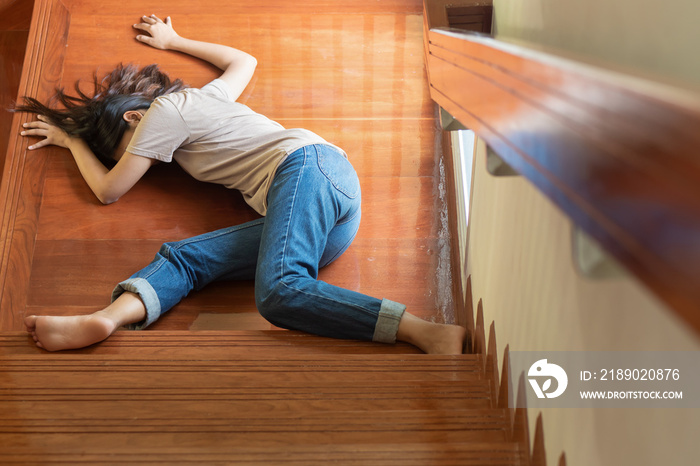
617, 154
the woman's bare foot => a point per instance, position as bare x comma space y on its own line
55, 333
430, 337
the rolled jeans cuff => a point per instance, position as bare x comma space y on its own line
390, 314
148, 295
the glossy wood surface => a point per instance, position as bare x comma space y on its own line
618, 155
21, 187
351, 72
263, 397
15, 17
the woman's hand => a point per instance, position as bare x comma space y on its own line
162, 35
53, 135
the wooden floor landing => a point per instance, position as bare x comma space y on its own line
352, 72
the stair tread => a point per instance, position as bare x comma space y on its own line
217, 345
449, 453
242, 430
267, 396
264, 396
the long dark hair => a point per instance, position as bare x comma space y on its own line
98, 119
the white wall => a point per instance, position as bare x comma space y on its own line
521, 265
646, 37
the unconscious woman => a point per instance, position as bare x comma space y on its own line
304, 187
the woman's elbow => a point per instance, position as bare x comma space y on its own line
107, 198
253, 61
250, 63
107, 201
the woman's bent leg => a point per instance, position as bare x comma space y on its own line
313, 216
191, 264
316, 197
177, 269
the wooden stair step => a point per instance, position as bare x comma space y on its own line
418, 454
229, 420
254, 341
212, 373
333, 385
250, 406
266, 397
415, 426
266, 371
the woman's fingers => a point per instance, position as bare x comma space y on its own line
42, 143
145, 24
36, 124
34, 132
145, 39
37, 129
158, 33
153, 19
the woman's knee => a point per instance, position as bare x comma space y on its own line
274, 301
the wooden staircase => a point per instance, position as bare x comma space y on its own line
247, 397
174, 396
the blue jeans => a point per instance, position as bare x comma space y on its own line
312, 217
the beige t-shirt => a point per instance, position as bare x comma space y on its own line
218, 140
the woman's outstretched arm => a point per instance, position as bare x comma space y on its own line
237, 66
